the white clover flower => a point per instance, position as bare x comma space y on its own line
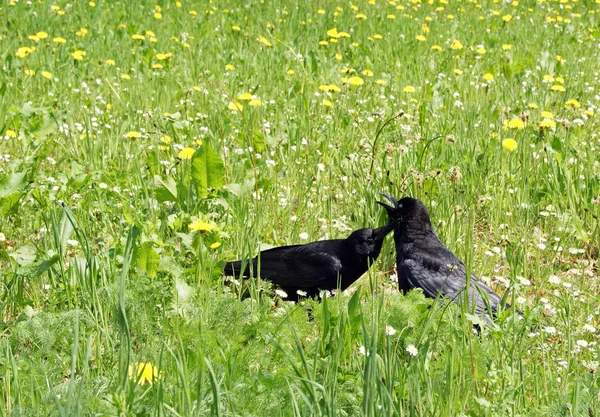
412, 350
281, 293
553, 279
301, 293
390, 331
303, 235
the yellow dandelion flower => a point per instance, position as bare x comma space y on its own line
126, 76
24, 51
560, 80
215, 245
320, 11
157, 15
547, 123
29, 72
255, 102
333, 33
532, 106
162, 57
186, 153
245, 96
229, 67
132, 134
557, 87
338, 57
391, 16
421, 38
235, 106
11, 133
59, 40
138, 37
110, 62
381, 82
81, 32
436, 48
514, 124
323, 43
327, 103
78, 55
361, 16
481, 51
509, 144
201, 226
368, 73
507, 17
409, 89
143, 373
166, 139
46, 74
355, 81
458, 71
290, 72
377, 36
456, 44
41, 35
573, 103
157, 66
236, 28
193, 12
264, 41
546, 115
92, 4
33, 38
488, 76
506, 46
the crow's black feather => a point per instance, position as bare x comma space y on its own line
423, 261
315, 266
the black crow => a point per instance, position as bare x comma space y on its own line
424, 262
305, 270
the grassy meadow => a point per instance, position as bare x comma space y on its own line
143, 144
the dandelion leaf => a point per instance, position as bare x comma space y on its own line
36, 269
25, 255
12, 188
208, 170
166, 188
147, 259
259, 141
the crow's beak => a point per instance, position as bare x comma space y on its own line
382, 232
386, 205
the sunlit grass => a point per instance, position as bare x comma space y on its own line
143, 145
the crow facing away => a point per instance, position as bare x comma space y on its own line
315, 266
424, 262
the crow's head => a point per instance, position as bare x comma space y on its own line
368, 242
407, 210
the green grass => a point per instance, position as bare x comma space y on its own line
100, 270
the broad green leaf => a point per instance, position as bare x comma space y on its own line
166, 188
259, 141
65, 231
208, 170
147, 259
25, 255
12, 188
37, 268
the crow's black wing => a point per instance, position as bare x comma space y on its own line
302, 266
445, 274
